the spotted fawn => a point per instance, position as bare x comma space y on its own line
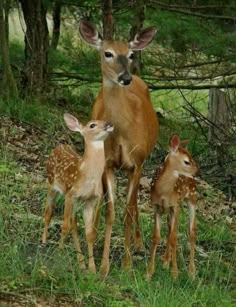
172, 183
79, 179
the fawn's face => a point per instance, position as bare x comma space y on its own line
94, 131
182, 162
97, 130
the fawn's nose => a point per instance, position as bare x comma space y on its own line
109, 126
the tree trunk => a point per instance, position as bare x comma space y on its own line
219, 117
56, 24
7, 9
36, 46
8, 86
136, 26
107, 20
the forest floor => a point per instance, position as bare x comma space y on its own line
36, 275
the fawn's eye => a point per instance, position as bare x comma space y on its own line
131, 56
92, 126
186, 162
108, 54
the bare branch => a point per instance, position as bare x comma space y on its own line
190, 87
188, 12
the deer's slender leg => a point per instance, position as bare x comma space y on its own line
131, 215
51, 194
167, 254
192, 234
74, 230
109, 217
138, 242
97, 212
66, 224
90, 231
155, 240
174, 211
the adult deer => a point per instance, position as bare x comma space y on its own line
172, 183
124, 100
80, 180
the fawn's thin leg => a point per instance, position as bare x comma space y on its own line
192, 233
75, 236
155, 239
131, 216
51, 194
167, 254
90, 232
110, 217
174, 211
97, 212
66, 225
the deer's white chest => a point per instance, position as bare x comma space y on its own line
91, 187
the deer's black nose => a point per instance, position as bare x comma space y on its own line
125, 78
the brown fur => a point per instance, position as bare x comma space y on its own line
80, 180
129, 108
168, 188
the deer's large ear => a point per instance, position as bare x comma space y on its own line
89, 33
174, 143
142, 39
72, 123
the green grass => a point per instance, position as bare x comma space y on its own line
49, 271
31, 271
174, 101
28, 267
28, 111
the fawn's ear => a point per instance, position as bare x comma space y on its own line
174, 143
142, 39
89, 33
72, 123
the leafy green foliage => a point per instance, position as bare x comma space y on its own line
182, 33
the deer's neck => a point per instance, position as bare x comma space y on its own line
108, 84
113, 93
118, 105
167, 180
93, 161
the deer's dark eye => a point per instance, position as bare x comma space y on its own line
92, 126
131, 56
186, 162
108, 54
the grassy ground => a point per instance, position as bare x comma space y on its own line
36, 275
